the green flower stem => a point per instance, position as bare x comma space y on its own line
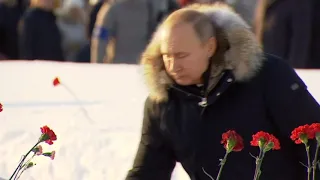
29, 160
21, 173
259, 160
24, 167
315, 162
222, 163
21, 162
309, 160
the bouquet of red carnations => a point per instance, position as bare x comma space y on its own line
47, 136
233, 142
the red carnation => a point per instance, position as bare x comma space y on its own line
232, 141
315, 128
265, 141
47, 135
301, 134
56, 81
1, 109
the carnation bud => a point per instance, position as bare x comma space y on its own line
30, 164
50, 154
37, 150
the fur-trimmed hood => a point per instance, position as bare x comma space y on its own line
241, 51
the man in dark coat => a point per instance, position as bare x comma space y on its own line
290, 29
40, 37
207, 74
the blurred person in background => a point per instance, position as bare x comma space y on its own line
72, 24
123, 29
84, 54
93, 16
188, 2
183, 3
162, 8
244, 7
290, 29
10, 14
40, 37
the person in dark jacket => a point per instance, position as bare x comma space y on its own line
40, 37
83, 56
93, 16
206, 75
10, 14
290, 29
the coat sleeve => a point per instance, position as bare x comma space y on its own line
288, 98
154, 159
27, 38
289, 104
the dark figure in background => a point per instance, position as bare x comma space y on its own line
83, 55
183, 3
290, 29
40, 37
123, 29
93, 16
10, 14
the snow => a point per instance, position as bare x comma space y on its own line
96, 115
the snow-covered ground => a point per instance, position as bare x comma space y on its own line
98, 130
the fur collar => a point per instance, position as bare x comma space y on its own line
239, 51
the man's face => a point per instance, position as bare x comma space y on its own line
185, 57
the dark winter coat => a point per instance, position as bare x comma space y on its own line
256, 92
83, 55
40, 37
291, 31
9, 18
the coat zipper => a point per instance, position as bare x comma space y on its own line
203, 103
204, 100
